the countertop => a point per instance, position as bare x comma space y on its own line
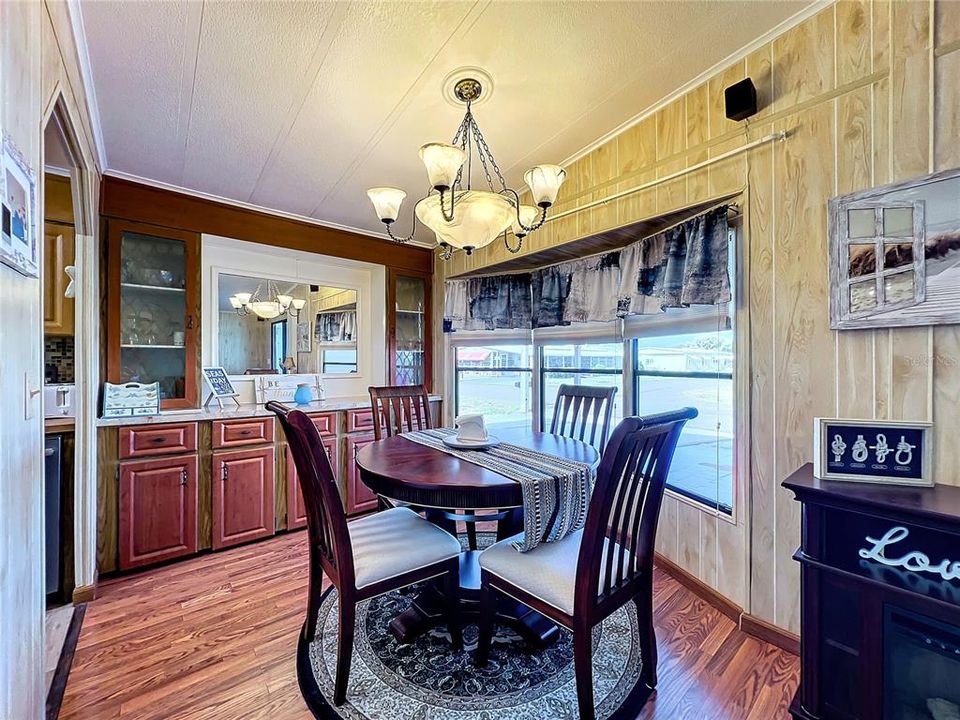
58, 424
230, 412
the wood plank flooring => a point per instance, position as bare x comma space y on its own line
214, 638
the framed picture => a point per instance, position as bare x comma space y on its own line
895, 254
18, 212
892, 452
304, 342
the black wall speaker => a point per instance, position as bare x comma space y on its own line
740, 100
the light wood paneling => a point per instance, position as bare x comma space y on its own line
866, 99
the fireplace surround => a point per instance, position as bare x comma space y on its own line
880, 601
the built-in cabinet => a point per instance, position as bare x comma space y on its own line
59, 251
152, 305
158, 510
174, 489
243, 486
409, 339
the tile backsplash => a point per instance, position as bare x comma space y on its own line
58, 359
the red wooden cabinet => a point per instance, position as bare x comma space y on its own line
296, 513
158, 510
359, 498
145, 440
242, 496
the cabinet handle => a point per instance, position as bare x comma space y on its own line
223, 471
246, 432
158, 439
189, 322
183, 478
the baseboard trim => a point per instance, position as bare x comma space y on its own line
768, 632
84, 594
724, 604
750, 624
59, 683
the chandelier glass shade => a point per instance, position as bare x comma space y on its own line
480, 216
246, 303
461, 217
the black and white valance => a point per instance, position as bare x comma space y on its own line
682, 266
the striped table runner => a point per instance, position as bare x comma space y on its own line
556, 491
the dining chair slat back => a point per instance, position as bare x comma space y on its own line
615, 558
580, 408
326, 519
398, 409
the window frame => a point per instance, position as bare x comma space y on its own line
635, 377
573, 339
483, 338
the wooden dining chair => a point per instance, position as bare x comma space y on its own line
581, 579
398, 409
368, 557
584, 407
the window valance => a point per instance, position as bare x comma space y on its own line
682, 266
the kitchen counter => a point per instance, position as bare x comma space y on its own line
58, 424
231, 412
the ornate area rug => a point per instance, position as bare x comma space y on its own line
426, 680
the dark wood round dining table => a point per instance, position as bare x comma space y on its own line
445, 487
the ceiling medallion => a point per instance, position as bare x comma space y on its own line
461, 217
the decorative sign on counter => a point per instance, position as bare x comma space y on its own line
281, 388
914, 561
130, 399
219, 386
873, 451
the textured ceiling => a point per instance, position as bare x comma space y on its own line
301, 106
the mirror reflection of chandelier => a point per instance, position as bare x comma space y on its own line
274, 306
461, 217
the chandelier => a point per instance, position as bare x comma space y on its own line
460, 216
277, 303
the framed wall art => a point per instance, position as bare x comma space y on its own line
893, 452
895, 254
18, 212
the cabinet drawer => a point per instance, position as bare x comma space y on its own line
326, 423
358, 420
144, 440
249, 431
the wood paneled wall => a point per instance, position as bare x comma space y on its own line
38, 67
869, 93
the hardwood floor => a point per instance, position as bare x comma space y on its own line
214, 638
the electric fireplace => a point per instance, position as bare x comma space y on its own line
880, 605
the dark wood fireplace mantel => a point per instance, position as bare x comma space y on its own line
879, 565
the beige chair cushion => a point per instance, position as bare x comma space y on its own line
394, 542
548, 572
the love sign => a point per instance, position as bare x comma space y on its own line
914, 561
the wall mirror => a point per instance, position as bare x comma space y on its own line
268, 326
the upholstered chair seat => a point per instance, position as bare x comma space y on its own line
549, 571
394, 542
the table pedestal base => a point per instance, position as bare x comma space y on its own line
426, 611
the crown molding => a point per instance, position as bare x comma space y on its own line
257, 208
86, 76
734, 57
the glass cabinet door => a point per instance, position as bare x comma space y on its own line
153, 303
410, 337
